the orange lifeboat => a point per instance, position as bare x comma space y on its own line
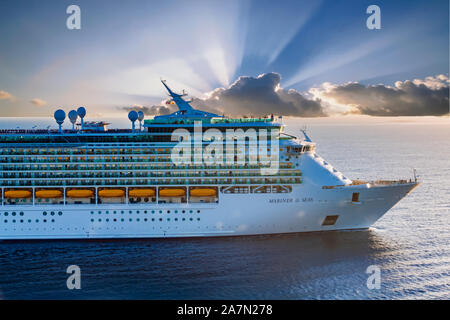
80, 193
48, 194
203, 192
141, 193
111, 193
172, 192
18, 194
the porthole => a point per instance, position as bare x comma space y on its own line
29, 220
168, 219
122, 219
21, 220
168, 211
92, 220
6, 214
114, 212
191, 219
37, 220
21, 213
160, 219
6, 221
153, 219
52, 213
99, 220
115, 220
107, 211
60, 213
137, 211
131, 219
183, 211
198, 219
176, 219
160, 211
53, 220
198, 211
107, 220
45, 220
137, 219
190, 211
92, 212
145, 219
44, 213
13, 213
145, 211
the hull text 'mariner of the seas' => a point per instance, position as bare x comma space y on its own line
187, 174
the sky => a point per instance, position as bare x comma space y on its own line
295, 58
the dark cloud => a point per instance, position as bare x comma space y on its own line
263, 95
258, 97
151, 111
429, 97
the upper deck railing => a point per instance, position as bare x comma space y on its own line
54, 132
207, 120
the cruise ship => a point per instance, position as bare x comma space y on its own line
187, 174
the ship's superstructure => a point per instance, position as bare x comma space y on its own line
234, 177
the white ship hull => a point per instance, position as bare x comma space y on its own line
211, 180
303, 210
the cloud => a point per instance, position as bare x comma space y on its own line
38, 102
262, 95
6, 96
428, 97
258, 97
151, 111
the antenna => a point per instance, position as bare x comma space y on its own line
59, 116
133, 116
73, 116
81, 113
140, 118
307, 138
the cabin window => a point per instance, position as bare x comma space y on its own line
355, 197
330, 220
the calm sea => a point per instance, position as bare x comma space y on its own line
410, 244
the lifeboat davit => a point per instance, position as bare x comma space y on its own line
111, 193
18, 194
80, 193
141, 193
203, 192
48, 194
172, 192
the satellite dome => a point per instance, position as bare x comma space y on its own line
133, 116
140, 115
73, 115
81, 112
59, 116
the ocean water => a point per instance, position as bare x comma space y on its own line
410, 244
